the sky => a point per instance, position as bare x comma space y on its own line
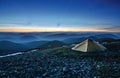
59, 15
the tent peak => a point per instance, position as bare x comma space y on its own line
89, 45
90, 39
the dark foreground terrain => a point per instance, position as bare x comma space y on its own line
60, 62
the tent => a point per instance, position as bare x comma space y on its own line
89, 45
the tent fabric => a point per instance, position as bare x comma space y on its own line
89, 46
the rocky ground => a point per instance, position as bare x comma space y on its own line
60, 63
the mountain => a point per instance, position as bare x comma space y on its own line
28, 37
73, 40
35, 44
98, 37
102, 36
61, 35
108, 40
57, 35
10, 47
7, 47
52, 44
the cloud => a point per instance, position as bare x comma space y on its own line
15, 24
27, 23
59, 24
112, 28
65, 26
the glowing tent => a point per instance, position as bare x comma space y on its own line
89, 45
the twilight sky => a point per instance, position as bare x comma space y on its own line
59, 15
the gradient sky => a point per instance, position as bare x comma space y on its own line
59, 15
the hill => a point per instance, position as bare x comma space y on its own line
28, 37
35, 44
73, 40
52, 44
7, 47
100, 38
104, 36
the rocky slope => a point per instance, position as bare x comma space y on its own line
61, 62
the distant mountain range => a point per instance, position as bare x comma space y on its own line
62, 35
73, 40
99, 37
28, 37
7, 46
102, 36
52, 44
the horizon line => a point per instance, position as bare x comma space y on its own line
57, 31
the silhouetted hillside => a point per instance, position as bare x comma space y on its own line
35, 44
10, 47
73, 40
7, 47
52, 44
